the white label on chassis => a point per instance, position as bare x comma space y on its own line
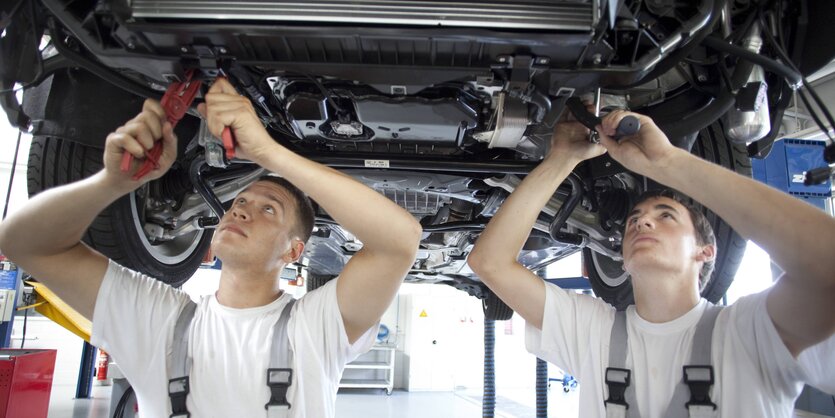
377, 163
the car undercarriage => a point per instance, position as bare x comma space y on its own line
441, 107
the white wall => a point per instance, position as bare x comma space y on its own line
455, 322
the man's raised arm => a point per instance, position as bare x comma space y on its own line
389, 234
494, 256
796, 235
44, 236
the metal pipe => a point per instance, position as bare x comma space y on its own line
231, 173
725, 20
580, 218
681, 125
194, 204
448, 165
461, 226
541, 388
694, 31
456, 227
542, 103
11, 176
795, 80
488, 400
84, 384
568, 206
196, 176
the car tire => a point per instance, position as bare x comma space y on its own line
608, 280
495, 309
612, 284
117, 232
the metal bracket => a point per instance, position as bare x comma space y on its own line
210, 59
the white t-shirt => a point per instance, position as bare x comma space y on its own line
134, 322
756, 376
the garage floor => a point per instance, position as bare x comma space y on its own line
349, 405
356, 404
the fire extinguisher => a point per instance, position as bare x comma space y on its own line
102, 360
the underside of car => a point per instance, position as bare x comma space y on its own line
442, 107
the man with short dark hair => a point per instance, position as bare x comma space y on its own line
305, 213
701, 227
227, 354
672, 354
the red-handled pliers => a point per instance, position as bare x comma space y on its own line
228, 137
175, 102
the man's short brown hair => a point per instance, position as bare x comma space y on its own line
305, 214
704, 232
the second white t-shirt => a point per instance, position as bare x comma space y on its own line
756, 374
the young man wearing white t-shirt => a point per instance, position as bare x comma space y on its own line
231, 333
763, 347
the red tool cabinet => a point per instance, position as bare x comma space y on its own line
25, 382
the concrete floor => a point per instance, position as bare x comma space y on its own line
62, 404
358, 404
350, 404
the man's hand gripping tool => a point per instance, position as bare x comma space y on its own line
176, 102
629, 125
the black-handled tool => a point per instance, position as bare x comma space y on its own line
629, 125
817, 176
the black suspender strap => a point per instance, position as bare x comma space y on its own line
699, 379
698, 375
178, 363
621, 402
178, 390
280, 371
279, 374
617, 380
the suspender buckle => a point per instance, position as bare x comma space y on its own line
178, 390
278, 381
617, 380
699, 379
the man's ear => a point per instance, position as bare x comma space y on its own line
706, 253
296, 250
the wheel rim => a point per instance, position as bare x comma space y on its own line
170, 252
610, 271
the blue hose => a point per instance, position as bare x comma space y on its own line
488, 401
541, 388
